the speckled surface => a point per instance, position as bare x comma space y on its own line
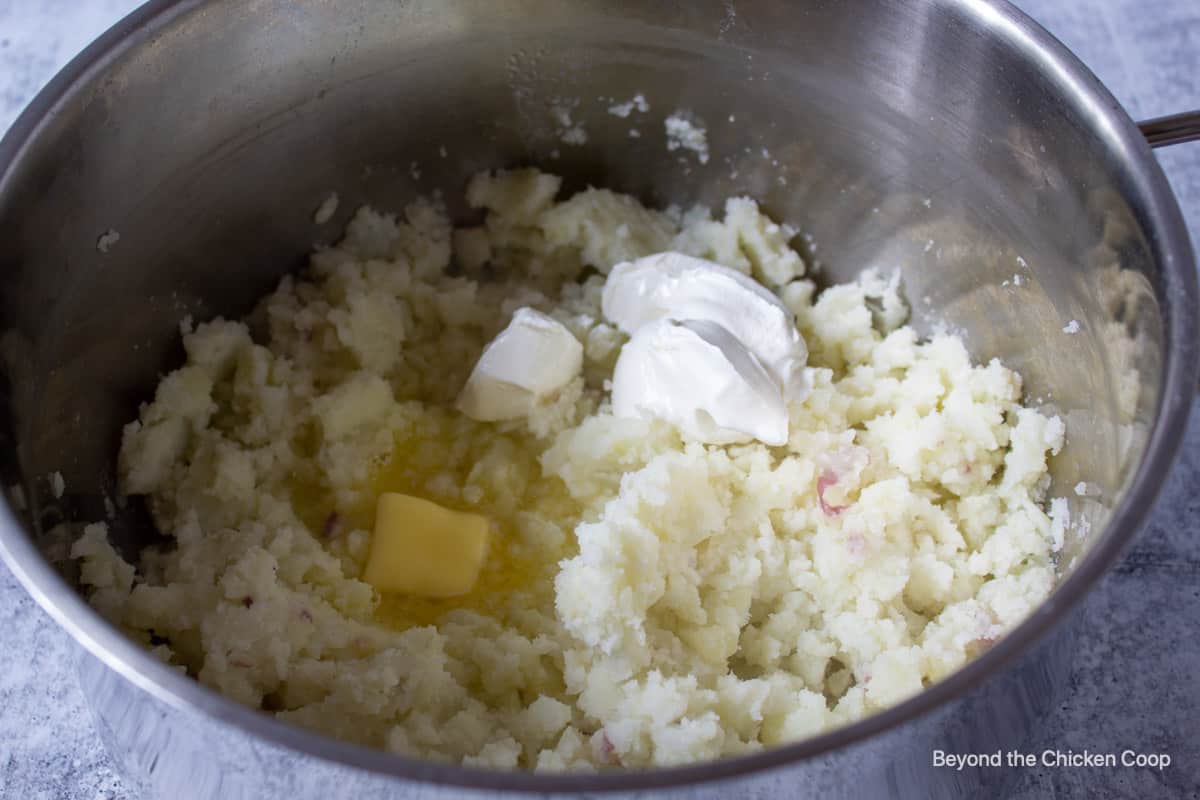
1136, 682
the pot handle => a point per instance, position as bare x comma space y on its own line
1175, 129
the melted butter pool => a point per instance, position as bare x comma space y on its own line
498, 476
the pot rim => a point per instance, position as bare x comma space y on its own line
1177, 392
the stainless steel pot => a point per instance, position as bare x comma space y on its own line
952, 138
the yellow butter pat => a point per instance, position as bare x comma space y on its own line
422, 548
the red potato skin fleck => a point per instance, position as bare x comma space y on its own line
236, 662
608, 751
331, 525
828, 478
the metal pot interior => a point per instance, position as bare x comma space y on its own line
935, 138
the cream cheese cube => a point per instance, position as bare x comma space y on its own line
525, 365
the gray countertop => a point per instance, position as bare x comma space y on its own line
1136, 681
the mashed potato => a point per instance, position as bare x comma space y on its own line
647, 601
